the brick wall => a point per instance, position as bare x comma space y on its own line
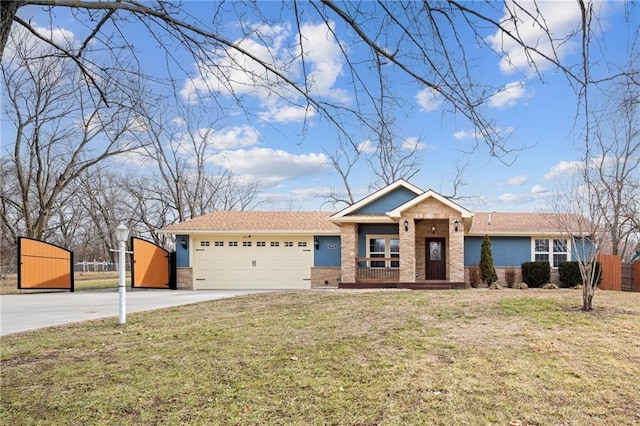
349, 253
184, 278
325, 276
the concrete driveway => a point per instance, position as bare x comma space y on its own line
21, 312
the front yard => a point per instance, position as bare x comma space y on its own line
342, 357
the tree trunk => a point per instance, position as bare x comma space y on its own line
8, 10
587, 297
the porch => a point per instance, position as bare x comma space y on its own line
384, 272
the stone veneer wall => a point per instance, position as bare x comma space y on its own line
421, 218
326, 276
349, 253
184, 278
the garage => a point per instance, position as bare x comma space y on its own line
252, 262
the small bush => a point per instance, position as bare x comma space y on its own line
550, 286
510, 276
570, 274
495, 286
474, 276
536, 274
520, 286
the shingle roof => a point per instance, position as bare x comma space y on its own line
256, 221
492, 223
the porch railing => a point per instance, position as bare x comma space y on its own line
377, 269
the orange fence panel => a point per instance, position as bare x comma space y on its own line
44, 266
611, 272
151, 266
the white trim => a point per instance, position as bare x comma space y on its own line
376, 195
550, 252
397, 213
387, 248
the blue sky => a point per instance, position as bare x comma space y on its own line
293, 167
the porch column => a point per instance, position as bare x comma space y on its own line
407, 250
456, 250
349, 251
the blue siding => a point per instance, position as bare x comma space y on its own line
388, 202
364, 230
580, 247
328, 253
182, 254
507, 251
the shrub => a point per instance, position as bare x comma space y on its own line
495, 286
474, 276
520, 286
487, 271
550, 286
570, 274
510, 276
536, 274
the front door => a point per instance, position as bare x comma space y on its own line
436, 259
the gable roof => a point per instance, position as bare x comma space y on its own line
494, 223
224, 222
396, 213
375, 196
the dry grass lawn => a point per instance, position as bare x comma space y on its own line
476, 357
82, 281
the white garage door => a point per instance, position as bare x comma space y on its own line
255, 263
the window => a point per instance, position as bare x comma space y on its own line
275, 243
302, 243
246, 244
233, 244
219, 244
386, 247
204, 243
554, 251
288, 243
261, 244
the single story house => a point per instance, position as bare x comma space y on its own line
399, 236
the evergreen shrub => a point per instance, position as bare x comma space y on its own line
536, 274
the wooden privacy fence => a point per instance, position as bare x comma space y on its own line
619, 276
611, 265
631, 276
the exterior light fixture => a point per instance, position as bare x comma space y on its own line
316, 243
406, 225
121, 233
455, 225
433, 228
183, 243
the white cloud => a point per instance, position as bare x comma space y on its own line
516, 180
429, 99
466, 134
509, 95
270, 165
470, 134
323, 55
232, 73
564, 168
413, 144
560, 18
366, 147
539, 190
286, 113
234, 137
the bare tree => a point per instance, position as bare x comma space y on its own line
61, 129
612, 169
